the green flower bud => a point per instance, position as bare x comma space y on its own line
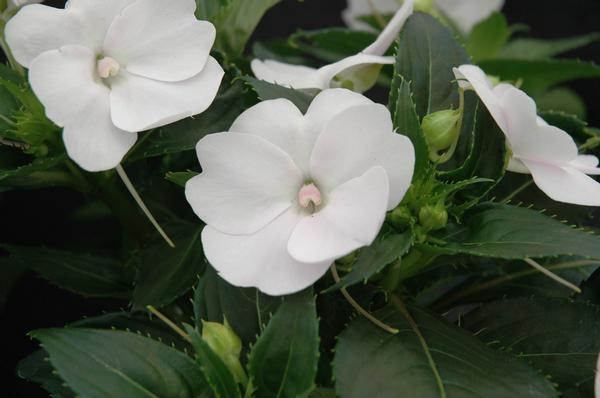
441, 130
227, 345
400, 217
424, 6
433, 217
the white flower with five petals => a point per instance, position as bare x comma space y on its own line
359, 70
546, 152
107, 69
285, 194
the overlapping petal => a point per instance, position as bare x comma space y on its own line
139, 103
351, 218
284, 74
358, 139
261, 260
328, 103
246, 182
468, 13
176, 48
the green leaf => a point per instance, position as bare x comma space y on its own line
246, 309
429, 358
332, 44
40, 173
321, 392
267, 91
427, 52
558, 336
488, 37
209, 9
374, 258
214, 369
484, 154
37, 368
510, 232
181, 177
283, 362
235, 22
102, 363
538, 75
185, 134
85, 274
164, 273
406, 121
562, 99
528, 48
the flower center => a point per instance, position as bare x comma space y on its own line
108, 67
309, 195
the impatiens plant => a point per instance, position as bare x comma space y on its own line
388, 211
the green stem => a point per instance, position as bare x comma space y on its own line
380, 20
399, 304
170, 323
479, 287
358, 307
517, 191
142, 205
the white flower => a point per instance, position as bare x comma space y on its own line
546, 152
597, 379
12, 4
465, 14
360, 70
285, 194
106, 69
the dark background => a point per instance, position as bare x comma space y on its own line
33, 303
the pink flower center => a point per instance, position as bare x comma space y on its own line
108, 67
309, 193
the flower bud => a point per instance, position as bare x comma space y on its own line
433, 217
400, 217
441, 130
424, 6
227, 345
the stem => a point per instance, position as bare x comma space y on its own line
517, 191
476, 288
357, 306
378, 18
142, 205
170, 323
552, 275
397, 302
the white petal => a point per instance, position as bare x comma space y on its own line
63, 80
597, 379
160, 39
284, 74
357, 68
328, 103
586, 163
351, 218
468, 13
138, 103
387, 37
516, 166
12, 4
362, 8
261, 260
93, 141
246, 182
281, 123
478, 81
37, 28
358, 139
565, 184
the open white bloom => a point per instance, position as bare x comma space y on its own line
358, 71
548, 153
106, 69
465, 14
597, 379
285, 194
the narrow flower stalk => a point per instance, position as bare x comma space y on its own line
136, 196
551, 275
169, 323
358, 307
